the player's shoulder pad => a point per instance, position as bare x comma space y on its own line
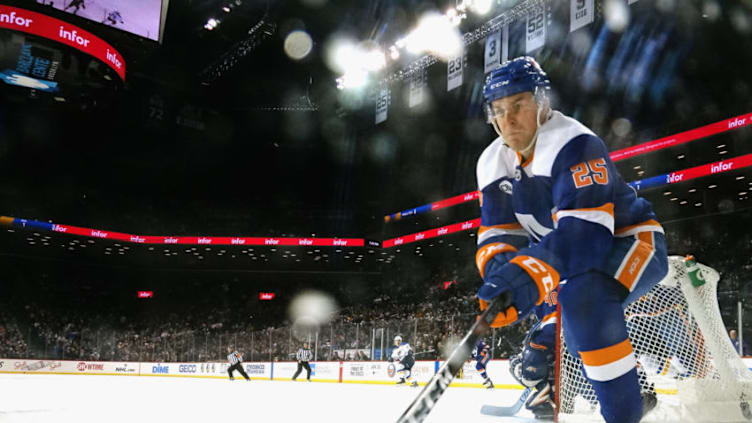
496, 161
553, 136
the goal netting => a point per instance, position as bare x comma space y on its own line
683, 353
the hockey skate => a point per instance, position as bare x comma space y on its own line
488, 384
401, 381
414, 384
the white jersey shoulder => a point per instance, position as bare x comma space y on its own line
496, 161
552, 137
401, 352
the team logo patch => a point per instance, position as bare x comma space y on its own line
517, 175
506, 187
391, 370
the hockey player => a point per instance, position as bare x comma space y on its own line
482, 356
403, 356
77, 4
549, 181
113, 18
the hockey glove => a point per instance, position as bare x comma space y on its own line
527, 279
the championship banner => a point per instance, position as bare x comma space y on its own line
581, 13
492, 57
382, 104
535, 36
505, 43
417, 88
454, 72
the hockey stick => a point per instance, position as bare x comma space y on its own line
512, 410
434, 389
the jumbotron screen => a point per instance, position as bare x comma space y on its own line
144, 18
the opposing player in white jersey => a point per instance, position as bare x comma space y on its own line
402, 356
554, 208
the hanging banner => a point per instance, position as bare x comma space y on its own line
505, 44
382, 104
417, 89
454, 72
536, 30
493, 52
581, 13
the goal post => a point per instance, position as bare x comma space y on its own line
683, 352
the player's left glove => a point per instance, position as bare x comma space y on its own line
527, 279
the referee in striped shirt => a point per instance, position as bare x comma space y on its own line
236, 363
304, 355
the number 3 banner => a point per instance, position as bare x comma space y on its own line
493, 52
535, 30
581, 13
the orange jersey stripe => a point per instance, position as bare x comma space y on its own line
606, 355
651, 222
636, 261
608, 208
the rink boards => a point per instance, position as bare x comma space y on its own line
365, 372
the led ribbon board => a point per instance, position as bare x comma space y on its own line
62, 32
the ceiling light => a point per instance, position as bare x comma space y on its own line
636, 167
720, 146
683, 202
698, 204
739, 178
693, 190
674, 199
667, 193
722, 152
226, 9
712, 186
680, 156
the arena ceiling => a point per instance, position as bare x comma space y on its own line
220, 132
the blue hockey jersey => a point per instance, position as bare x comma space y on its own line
562, 207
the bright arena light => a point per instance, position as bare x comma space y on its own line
312, 308
355, 78
298, 44
435, 34
481, 7
616, 13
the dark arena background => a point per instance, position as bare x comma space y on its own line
180, 177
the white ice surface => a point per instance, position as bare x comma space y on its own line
110, 399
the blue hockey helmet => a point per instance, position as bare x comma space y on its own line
513, 77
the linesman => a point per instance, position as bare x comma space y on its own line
236, 363
304, 355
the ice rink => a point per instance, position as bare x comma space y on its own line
76, 398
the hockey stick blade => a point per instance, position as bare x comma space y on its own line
492, 410
434, 389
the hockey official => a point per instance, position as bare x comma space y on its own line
304, 355
236, 363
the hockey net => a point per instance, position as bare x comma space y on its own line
683, 353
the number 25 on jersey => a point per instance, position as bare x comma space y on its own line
585, 173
